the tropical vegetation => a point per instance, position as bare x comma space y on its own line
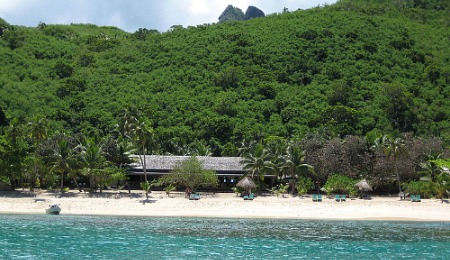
357, 88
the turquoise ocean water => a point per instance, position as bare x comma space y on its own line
111, 237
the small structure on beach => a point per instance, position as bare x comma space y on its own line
247, 184
364, 187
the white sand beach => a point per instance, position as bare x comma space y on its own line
226, 205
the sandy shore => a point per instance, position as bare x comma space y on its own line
225, 205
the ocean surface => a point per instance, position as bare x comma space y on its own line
112, 237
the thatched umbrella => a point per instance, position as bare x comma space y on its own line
247, 184
363, 186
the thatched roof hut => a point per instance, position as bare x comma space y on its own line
246, 183
363, 186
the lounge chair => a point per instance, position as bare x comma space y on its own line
249, 197
415, 198
343, 197
194, 196
367, 197
337, 197
319, 197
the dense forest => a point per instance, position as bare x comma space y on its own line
355, 68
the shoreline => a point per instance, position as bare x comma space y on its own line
226, 205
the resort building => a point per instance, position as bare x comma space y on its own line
228, 169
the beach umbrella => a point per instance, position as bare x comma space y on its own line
363, 186
246, 183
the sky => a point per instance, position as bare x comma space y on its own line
130, 15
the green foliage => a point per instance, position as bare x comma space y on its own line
340, 184
424, 188
191, 174
145, 186
280, 189
14, 37
63, 70
169, 189
357, 67
237, 190
304, 184
374, 66
441, 186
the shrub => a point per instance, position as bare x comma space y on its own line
424, 188
304, 184
340, 184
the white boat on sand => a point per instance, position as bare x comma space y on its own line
53, 209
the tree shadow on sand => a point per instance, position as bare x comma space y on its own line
147, 201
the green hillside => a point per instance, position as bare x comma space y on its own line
344, 69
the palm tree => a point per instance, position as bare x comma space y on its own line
16, 149
63, 160
257, 162
294, 164
430, 167
144, 138
199, 148
118, 151
139, 133
92, 159
38, 130
395, 148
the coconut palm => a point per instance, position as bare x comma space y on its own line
92, 160
293, 164
143, 137
118, 151
430, 167
257, 162
64, 159
15, 150
139, 133
394, 148
441, 185
38, 130
199, 148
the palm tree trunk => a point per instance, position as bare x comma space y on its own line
398, 175
76, 183
62, 181
145, 164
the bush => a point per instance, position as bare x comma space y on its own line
340, 184
304, 184
424, 188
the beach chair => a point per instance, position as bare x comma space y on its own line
319, 197
343, 197
314, 198
415, 198
337, 197
249, 197
367, 197
194, 196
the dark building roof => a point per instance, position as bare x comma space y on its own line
158, 164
